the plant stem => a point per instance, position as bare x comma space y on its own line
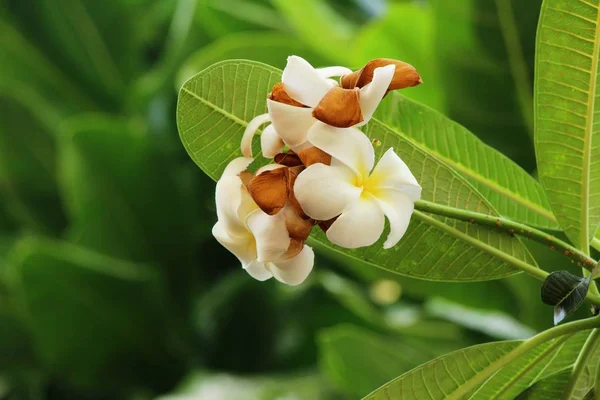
595, 243
527, 345
515, 262
583, 358
510, 227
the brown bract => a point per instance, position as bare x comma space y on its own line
269, 190
279, 95
313, 155
273, 192
405, 75
340, 108
306, 157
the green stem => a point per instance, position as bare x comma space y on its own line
515, 262
583, 358
527, 345
510, 227
595, 243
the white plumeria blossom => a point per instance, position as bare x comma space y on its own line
258, 240
362, 196
307, 85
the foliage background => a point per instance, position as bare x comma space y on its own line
111, 284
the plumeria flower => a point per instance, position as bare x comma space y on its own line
260, 241
306, 95
351, 191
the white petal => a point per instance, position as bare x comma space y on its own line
398, 208
236, 166
392, 172
304, 83
241, 246
270, 142
360, 225
349, 145
295, 270
232, 200
270, 233
258, 271
228, 199
325, 192
372, 94
291, 123
246, 144
328, 72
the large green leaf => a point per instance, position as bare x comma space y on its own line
573, 383
358, 360
216, 105
95, 320
511, 190
485, 52
440, 378
566, 89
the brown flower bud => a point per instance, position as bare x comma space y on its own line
279, 95
340, 108
405, 75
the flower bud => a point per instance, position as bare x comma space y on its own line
405, 75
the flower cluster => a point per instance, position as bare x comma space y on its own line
323, 173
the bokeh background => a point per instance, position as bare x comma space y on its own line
111, 286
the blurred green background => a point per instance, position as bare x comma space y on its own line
112, 286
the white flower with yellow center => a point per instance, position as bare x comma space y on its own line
258, 240
351, 190
306, 95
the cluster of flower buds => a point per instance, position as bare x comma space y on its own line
323, 173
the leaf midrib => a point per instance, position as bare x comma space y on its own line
512, 381
584, 235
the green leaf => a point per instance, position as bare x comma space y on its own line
565, 292
585, 371
568, 384
410, 41
84, 309
334, 35
216, 105
440, 378
357, 360
485, 53
28, 183
511, 190
566, 87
